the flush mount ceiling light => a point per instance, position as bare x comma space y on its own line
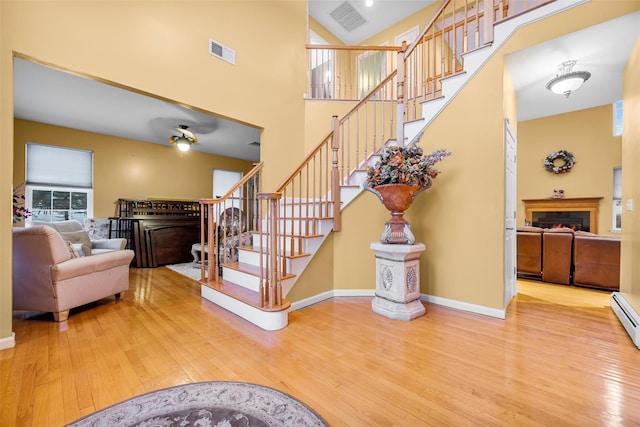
567, 81
368, 3
184, 141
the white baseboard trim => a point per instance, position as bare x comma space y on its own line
458, 305
331, 294
8, 342
465, 306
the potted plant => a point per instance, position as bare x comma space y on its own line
397, 178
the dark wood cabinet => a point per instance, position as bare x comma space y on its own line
160, 232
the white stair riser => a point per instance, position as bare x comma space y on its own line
292, 265
306, 210
303, 244
305, 226
241, 278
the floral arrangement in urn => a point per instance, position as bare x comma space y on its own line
405, 165
396, 179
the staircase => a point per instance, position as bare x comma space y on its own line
257, 259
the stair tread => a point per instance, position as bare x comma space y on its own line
244, 295
251, 269
295, 235
286, 255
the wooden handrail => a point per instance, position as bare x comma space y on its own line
351, 47
418, 39
327, 138
256, 168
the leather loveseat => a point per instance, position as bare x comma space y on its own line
557, 250
49, 276
596, 261
529, 243
562, 256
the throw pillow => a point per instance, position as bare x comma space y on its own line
72, 251
78, 237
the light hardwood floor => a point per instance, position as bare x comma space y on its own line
550, 363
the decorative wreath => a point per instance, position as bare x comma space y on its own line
565, 156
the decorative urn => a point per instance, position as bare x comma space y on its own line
396, 179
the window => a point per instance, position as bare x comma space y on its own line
322, 69
617, 118
59, 183
617, 199
371, 71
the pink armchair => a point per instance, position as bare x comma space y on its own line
48, 276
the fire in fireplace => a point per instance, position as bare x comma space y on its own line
575, 220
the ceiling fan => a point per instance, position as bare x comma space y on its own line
185, 139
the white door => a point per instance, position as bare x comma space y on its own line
510, 255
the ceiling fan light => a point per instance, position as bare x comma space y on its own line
184, 141
183, 144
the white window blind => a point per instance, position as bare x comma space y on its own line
617, 183
60, 167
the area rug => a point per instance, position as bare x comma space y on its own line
186, 269
211, 404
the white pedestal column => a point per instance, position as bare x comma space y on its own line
398, 281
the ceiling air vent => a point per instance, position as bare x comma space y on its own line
347, 16
222, 52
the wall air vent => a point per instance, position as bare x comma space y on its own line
347, 16
221, 51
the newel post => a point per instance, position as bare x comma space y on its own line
401, 107
335, 174
270, 283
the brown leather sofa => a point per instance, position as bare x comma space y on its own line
557, 251
596, 261
529, 243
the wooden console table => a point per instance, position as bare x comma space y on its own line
586, 204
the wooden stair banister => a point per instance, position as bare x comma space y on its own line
284, 221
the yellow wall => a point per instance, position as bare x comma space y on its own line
317, 28
141, 45
630, 267
318, 119
588, 135
128, 169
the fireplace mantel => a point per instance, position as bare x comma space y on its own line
589, 204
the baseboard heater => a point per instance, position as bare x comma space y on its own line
627, 315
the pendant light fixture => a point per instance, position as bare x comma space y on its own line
566, 80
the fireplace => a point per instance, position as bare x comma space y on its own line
575, 220
577, 213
